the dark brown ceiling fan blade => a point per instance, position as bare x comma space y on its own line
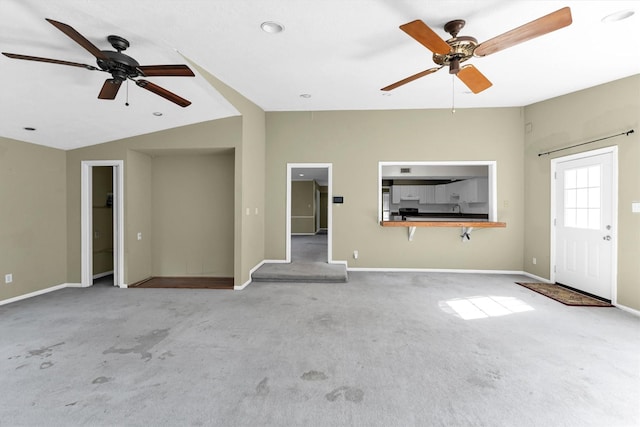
163, 93
426, 36
410, 79
78, 38
109, 89
49, 60
474, 79
546, 24
166, 70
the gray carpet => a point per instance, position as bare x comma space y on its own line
308, 264
309, 248
302, 272
383, 350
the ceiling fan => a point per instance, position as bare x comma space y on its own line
120, 66
458, 49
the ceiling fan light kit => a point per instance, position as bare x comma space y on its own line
458, 49
121, 67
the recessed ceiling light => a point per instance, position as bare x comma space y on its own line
305, 95
618, 16
300, 174
386, 94
29, 128
157, 113
272, 27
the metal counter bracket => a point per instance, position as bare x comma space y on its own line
466, 233
412, 231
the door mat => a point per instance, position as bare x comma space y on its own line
185, 283
564, 295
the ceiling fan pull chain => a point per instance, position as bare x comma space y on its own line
453, 94
127, 101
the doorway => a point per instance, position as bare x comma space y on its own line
102, 224
116, 212
584, 222
308, 222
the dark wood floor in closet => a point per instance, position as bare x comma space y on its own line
186, 283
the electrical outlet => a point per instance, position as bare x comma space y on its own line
96, 234
139, 236
355, 254
534, 261
8, 278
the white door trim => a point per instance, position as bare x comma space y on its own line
86, 221
614, 201
329, 167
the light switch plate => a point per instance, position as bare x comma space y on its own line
635, 207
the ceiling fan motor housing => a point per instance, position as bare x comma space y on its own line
461, 50
120, 66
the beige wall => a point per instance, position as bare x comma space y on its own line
303, 205
245, 134
33, 220
355, 141
573, 119
137, 206
192, 215
249, 182
201, 138
37, 224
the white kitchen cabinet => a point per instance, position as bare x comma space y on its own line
455, 192
441, 194
430, 194
396, 194
409, 193
476, 190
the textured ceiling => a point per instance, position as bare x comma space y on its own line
341, 52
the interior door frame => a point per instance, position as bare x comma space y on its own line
328, 166
86, 221
613, 150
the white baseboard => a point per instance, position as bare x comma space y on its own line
538, 278
628, 309
434, 270
257, 266
74, 285
47, 290
34, 294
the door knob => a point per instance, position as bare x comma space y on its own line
606, 238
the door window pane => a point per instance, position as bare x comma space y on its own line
582, 198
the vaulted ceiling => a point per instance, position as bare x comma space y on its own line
331, 55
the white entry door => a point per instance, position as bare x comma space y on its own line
585, 234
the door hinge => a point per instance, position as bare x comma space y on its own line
554, 222
554, 268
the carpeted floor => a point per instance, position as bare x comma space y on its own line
308, 264
564, 295
384, 350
